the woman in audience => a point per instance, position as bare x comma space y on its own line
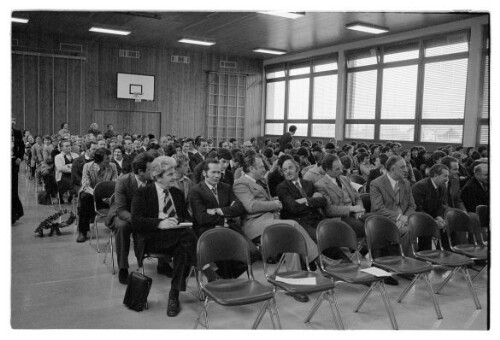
409, 168
364, 164
64, 129
122, 164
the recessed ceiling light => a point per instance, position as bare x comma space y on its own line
196, 42
289, 15
266, 50
368, 28
109, 31
20, 20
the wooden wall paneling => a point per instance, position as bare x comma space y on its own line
46, 95
74, 82
31, 88
61, 94
200, 86
17, 90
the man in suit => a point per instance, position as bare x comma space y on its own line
378, 171
475, 191
129, 154
214, 205
261, 209
226, 176
287, 137
391, 196
119, 217
198, 154
301, 202
342, 200
315, 172
16, 155
430, 197
78, 163
157, 210
452, 196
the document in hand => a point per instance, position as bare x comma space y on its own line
311, 281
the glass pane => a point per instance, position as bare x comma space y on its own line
361, 94
398, 53
325, 67
444, 89
484, 135
274, 129
298, 99
325, 97
397, 132
399, 92
301, 70
301, 129
447, 49
360, 131
485, 105
276, 74
323, 130
275, 100
371, 60
441, 133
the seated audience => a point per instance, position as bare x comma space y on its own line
63, 163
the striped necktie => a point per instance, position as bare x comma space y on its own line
301, 190
169, 209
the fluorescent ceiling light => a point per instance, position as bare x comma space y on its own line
368, 28
109, 31
20, 20
266, 50
288, 15
196, 42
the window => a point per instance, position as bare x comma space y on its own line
408, 92
484, 104
484, 134
300, 93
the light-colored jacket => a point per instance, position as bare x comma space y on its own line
335, 196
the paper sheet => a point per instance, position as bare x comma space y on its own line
376, 272
299, 281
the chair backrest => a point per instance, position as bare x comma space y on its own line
423, 225
357, 179
333, 233
483, 212
367, 203
104, 190
221, 244
458, 225
381, 232
281, 238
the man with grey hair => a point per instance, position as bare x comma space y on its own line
475, 191
157, 211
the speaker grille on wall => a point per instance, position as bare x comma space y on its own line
228, 64
129, 54
71, 47
179, 59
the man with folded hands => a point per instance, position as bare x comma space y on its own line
157, 210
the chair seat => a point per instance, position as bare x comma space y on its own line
235, 292
443, 257
471, 250
351, 273
322, 283
402, 265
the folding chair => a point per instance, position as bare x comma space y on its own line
109, 244
458, 228
382, 232
225, 244
334, 233
423, 225
282, 238
102, 193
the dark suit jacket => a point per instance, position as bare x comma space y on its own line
273, 180
453, 199
284, 140
201, 198
194, 160
374, 173
428, 199
228, 178
125, 168
473, 195
18, 150
302, 213
383, 198
76, 171
126, 186
145, 210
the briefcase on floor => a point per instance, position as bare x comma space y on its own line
138, 287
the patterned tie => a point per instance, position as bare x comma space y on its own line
214, 191
263, 184
396, 191
169, 209
302, 192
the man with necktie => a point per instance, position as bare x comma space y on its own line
157, 210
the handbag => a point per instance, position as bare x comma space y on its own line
136, 296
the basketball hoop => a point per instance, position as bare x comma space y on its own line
136, 98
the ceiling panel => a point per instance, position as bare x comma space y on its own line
236, 33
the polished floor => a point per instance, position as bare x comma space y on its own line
57, 283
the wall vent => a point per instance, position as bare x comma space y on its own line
179, 59
15, 42
129, 54
228, 64
71, 47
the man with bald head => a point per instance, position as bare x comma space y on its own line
476, 191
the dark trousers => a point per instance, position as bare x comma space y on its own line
122, 231
86, 211
17, 206
358, 225
64, 185
181, 245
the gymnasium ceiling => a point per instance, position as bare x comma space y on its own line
235, 33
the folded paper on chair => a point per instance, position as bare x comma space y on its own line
297, 281
376, 272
